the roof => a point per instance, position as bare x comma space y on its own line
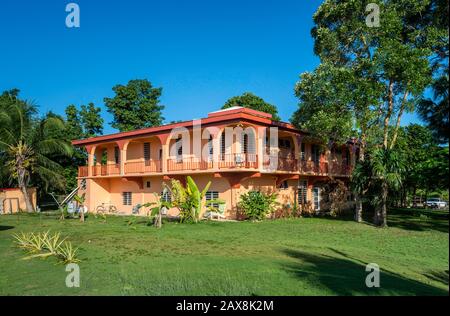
235, 113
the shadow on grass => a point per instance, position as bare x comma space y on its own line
419, 220
438, 276
6, 227
346, 276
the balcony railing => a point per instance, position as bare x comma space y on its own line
83, 171
238, 161
227, 161
189, 163
275, 162
314, 167
146, 166
105, 170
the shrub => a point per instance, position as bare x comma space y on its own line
256, 205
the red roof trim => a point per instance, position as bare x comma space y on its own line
226, 116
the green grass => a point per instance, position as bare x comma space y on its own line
306, 256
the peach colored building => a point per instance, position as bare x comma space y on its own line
237, 149
12, 200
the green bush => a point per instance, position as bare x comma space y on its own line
256, 205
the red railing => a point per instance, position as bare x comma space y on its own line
83, 171
238, 161
105, 170
275, 162
190, 163
340, 168
314, 167
146, 166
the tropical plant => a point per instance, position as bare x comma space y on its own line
27, 147
379, 173
189, 199
256, 205
156, 207
42, 245
80, 200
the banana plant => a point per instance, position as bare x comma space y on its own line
80, 200
188, 199
156, 208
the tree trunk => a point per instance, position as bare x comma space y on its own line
23, 188
81, 208
358, 201
381, 215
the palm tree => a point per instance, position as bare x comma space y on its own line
382, 170
27, 146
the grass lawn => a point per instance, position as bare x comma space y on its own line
305, 256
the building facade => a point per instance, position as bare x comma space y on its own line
237, 149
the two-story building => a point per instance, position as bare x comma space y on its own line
237, 149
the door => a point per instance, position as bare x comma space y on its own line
316, 198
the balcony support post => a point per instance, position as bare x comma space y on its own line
123, 145
90, 163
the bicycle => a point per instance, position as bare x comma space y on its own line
106, 208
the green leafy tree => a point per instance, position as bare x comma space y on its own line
74, 126
26, 145
91, 120
135, 105
251, 101
434, 111
388, 65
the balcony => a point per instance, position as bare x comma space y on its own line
274, 162
140, 167
186, 164
236, 161
106, 170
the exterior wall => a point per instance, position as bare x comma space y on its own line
13, 200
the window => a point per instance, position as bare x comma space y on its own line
302, 191
315, 153
284, 143
284, 185
212, 195
248, 142
222, 145
146, 151
148, 184
116, 155
160, 154
316, 193
210, 148
126, 198
302, 153
179, 148
165, 196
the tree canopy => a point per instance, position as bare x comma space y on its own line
251, 101
135, 105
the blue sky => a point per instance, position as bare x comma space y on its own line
200, 51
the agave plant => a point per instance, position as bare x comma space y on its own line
67, 253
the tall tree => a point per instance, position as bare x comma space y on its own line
434, 111
74, 126
135, 105
389, 61
251, 101
27, 145
91, 120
